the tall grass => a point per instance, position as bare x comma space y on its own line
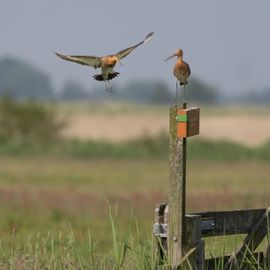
58, 251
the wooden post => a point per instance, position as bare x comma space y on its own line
193, 243
177, 192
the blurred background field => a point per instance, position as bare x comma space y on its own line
125, 121
64, 165
61, 183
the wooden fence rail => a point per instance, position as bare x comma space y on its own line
253, 222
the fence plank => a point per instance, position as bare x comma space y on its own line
193, 240
250, 243
217, 223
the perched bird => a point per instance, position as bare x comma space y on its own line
106, 63
181, 69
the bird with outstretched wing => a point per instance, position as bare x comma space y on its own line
106, 63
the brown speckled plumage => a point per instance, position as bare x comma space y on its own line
181, 69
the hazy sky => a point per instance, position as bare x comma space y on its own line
226, 43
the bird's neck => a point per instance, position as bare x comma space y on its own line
180, 59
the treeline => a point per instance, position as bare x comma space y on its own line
155, 92
253, 97
28, 121
22, 81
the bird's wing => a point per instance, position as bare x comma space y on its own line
92, 61
189, 71
125, 52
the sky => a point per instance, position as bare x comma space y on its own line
226, 43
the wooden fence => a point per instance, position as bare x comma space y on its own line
180, 236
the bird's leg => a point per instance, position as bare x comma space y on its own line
110, 87
184, 93
106, 85
176, 92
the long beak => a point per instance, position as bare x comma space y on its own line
170, 57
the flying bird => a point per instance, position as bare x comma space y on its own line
106, 63
181, 69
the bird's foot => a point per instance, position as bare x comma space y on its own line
98, 77
109, 90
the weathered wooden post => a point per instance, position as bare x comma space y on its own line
176, 193
184, 122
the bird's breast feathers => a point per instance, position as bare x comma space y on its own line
109, 61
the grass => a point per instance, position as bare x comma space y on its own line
141, 148
53, 205
54, 197
66, 251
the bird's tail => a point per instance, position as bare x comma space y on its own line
99, 77
183, 83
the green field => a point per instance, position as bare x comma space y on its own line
71, 204
64, 198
